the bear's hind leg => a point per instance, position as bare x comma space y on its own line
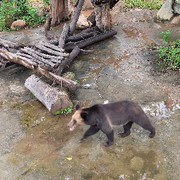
148, 126
92, 130
127, 130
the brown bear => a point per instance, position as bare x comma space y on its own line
104, 116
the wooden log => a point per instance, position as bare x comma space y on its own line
53, 99
52, 46
51, 58
76, 16
71, 85
63, 36
82, 44
81, 36
89, 32
67, 61
8, 44
35, 55
49, 51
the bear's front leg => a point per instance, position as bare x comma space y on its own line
92, 130
110, 136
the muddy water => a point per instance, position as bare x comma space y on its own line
37, 145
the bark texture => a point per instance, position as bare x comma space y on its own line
53, 98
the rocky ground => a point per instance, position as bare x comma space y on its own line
37, 145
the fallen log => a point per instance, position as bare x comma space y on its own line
53, 98
82, 44
71, 85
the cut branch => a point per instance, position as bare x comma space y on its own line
82, 44
67, 61
63, 36
34, 54
76, 16
49, 51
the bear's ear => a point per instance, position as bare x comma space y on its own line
84, 115
77, 107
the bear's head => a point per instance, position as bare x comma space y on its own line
78, 118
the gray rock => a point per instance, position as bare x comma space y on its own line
166, 11
177, 8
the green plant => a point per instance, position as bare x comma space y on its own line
46, 2
65, 111
166, 36
15, 9
170, 54
143, 4
7, 12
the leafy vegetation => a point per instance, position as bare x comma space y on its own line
170, 53
46, 2
14, 9
65, 111
144, 4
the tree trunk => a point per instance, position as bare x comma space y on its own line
53, 99
59, 11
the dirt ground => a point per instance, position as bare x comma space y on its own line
37, 145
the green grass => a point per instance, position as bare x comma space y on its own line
169, 53
13, 9
143, 4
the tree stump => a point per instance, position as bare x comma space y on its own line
59, 11
53, 99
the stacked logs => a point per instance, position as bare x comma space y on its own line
46, 55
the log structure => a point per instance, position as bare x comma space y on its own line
51, 58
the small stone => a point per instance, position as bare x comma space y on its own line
18, 24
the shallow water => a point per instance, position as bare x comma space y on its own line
38, 145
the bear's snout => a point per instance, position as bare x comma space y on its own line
72, 124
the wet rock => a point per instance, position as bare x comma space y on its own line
166, 11
136, 163
176, 20
18, 24
177, 8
